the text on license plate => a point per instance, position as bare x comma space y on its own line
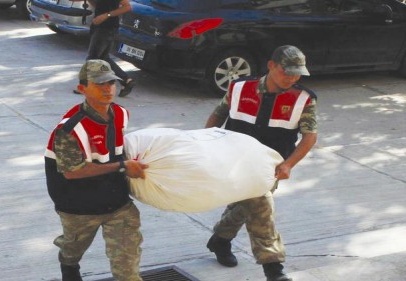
132, 52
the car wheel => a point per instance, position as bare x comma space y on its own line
55, 29
24, 8
228, 66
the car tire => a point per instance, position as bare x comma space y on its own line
24, 8
228, 66
55, 29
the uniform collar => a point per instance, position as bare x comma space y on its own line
94, 114
261, 88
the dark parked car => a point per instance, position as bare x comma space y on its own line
23, 6
219, 40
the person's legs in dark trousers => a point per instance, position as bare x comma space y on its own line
101, 43
100, 46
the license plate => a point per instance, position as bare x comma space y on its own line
132, 52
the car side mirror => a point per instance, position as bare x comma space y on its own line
384, 11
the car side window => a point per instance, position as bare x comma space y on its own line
284, 6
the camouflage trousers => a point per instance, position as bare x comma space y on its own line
120, 232
258, 216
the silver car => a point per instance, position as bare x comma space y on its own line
63, 16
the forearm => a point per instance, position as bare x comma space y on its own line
282, 171
303, 147
133, 169
213, 121
218, 117
91, 170
121, 10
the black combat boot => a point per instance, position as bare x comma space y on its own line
222, 249
274, 272
70, 273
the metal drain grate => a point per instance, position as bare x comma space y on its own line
168, 273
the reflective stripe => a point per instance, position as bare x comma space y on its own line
293, 122
82, 136
125, 117
84, 140
119, 149
235, 100
49, 153
101, 158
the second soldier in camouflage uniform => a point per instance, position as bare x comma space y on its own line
273, 109
86, 178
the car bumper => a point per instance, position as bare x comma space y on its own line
67, 19
157, 57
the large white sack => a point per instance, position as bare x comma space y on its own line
199, 170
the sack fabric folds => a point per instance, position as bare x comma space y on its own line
199, 170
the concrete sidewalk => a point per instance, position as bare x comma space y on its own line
389, 267
342, 214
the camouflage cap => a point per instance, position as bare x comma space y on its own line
97, 71
291, 59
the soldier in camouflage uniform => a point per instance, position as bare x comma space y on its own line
86, 178
273, 109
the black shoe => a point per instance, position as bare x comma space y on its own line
70, 273
274, 272
127, 88
77, 92
222, 249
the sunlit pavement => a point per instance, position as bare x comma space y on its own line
342, 214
